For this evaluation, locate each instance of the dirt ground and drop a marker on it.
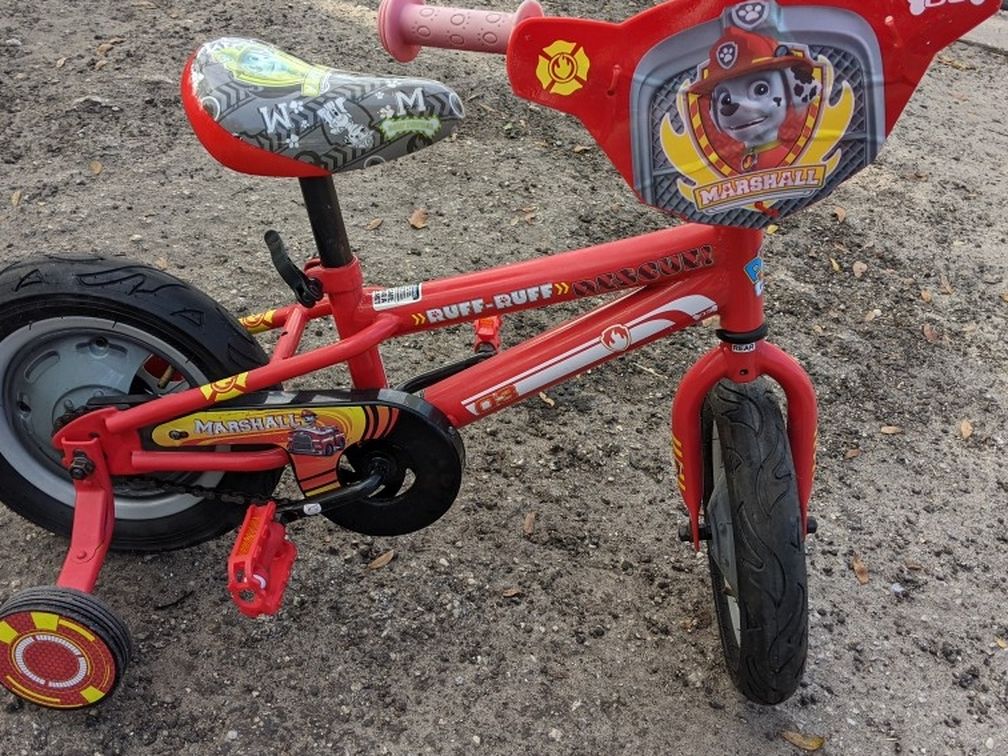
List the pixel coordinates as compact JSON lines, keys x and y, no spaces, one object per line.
{"x":611,"y":646}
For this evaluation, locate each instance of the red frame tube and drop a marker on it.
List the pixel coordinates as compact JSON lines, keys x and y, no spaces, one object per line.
{"x":671,"y":279}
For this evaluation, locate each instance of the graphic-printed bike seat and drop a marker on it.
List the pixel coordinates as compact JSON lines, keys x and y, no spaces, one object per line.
{"x":262,"y":111}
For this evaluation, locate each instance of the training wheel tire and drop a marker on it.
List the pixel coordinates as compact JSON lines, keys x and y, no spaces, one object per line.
{"x":61,"y":648}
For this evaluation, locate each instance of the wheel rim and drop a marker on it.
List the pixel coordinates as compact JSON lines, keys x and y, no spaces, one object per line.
{"x":54,"y":661}
{"x":719,"y":486}
{"x":56,"y":365}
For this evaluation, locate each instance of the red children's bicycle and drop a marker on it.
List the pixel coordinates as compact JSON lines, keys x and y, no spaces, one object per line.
{"x":137,"y":414}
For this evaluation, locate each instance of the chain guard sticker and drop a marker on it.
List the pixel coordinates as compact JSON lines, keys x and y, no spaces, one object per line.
{"x":314,"y":435}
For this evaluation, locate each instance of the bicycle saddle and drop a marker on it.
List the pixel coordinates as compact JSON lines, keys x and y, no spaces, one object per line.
{"x":262,"y":111}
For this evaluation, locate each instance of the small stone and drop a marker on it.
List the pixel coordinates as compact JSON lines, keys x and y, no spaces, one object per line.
{"x":443,"y":562}
{"x":555,"y":734}
{"x":232,"y":735}
{"x":989,"y":744}
{"x":897,"y":590}
{"x":13,"y":42}
{"x":476,"y":739}
{"x":136,"y":238}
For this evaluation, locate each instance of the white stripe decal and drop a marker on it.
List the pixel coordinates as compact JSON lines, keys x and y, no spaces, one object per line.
{"x":574,"y":360}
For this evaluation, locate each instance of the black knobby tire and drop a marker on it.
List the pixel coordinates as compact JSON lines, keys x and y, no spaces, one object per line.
{"x":48,"y":632}
{"x":752,"y":508}
{"x":49,"y":309}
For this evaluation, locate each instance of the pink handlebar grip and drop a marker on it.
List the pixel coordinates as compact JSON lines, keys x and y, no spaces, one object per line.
{"x":407,"y":25}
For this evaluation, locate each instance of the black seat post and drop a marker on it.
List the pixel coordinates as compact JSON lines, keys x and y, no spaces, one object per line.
{"x":326,"y":221}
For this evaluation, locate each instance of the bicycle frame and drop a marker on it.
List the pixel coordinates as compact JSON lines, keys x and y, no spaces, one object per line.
{"x":670,"y":279}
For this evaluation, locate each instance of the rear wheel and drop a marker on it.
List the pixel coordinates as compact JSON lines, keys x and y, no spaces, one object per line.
{"x":756,"y":553}
{"x":74,"y":330}
{"x":61,"y":648}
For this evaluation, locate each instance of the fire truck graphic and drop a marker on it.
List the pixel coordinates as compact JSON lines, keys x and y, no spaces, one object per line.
{"x":313,"y":439}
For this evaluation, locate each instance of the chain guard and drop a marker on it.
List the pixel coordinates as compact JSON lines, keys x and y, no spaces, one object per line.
{"x":417,"y":444}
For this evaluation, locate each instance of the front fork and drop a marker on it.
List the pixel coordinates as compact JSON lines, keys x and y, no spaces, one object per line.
{"x":742,"y":362}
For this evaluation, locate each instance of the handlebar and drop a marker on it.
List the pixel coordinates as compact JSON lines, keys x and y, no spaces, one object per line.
{"x":407,"y":25}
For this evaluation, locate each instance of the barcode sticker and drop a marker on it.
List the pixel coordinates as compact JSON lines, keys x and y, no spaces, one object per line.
{"x":386,"y":299}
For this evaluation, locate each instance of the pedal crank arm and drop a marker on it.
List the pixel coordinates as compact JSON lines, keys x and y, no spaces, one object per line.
{"x":332,"y":500}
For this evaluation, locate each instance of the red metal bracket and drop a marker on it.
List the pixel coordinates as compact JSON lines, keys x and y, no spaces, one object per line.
{"x":488,"y":332}
{"x":260,"y":562}
{"x":94,"y":515}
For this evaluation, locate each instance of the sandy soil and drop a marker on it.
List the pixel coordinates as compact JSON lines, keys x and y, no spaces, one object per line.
{"x":611,"y":646}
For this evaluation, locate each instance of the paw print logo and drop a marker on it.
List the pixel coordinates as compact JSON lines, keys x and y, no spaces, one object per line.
{"x":727,"y":54}
{"x":750,"y":15}
{"x":386,"y":112}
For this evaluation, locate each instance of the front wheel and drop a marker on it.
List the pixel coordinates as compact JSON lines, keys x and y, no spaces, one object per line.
{"x":80,"y":329}
{"x":756,"y":554}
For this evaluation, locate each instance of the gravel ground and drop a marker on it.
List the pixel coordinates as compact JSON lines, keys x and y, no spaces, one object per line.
{"x":611,"y":645}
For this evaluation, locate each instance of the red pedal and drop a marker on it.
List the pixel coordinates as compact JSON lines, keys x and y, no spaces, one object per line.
{"x":260,"y":562}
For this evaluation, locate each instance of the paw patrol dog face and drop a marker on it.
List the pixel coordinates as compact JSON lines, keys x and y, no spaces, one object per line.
{"x":752,"y":107}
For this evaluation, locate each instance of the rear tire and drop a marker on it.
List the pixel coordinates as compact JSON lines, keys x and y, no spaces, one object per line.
{"x":756,"y":553}
{"x":72,"y":329}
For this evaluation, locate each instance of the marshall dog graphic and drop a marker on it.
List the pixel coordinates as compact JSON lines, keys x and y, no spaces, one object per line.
{"x":757,"y":125}
{"x":758,"y":93}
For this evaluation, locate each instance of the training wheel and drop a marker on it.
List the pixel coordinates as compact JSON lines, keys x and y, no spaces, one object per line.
{"x":61,"y":648}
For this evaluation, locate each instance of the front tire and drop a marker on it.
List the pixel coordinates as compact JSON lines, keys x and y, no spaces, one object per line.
{"x":756,"y":554}
{"x":74,"y":329}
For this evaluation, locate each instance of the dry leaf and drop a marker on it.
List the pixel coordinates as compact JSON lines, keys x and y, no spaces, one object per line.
{"x":955,"y":63}
{"x":105,"y":47}
{"x":374,"y":223}
{"x":945,"y":284}
{"x":931,"y":333}
{"x":418,"y":218}
{"x":965,"y":429}
{"x":512,"y":592}
{"x":100,"y":64}
{"x":860,"y":569}
{"x":578,"y":149}
{"x":840,"y":214}
{"x":15,"y":198}
{"x":161,"y":263}
{"x":805,"y":742}
{"x":547,"y":399}
{"x":927,"y":295}
{"x":381,"y":560}
{"x":528,"y":526}
{"x":1002,"y":643}
{"x":891,"y":430}
{"x":835,"y":264}
{"x":859,"y":269}
{"x":871,"y":315}
{"x":852,"y":453}
{"x":911,"y":565}
{"x":96,"y":167}
{"x":773,"y":228}
{"x":60,"y":63}
{"x":1004,"y":296}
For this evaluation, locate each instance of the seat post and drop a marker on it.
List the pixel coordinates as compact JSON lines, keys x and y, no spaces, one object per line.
{"x":326,"y":219}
